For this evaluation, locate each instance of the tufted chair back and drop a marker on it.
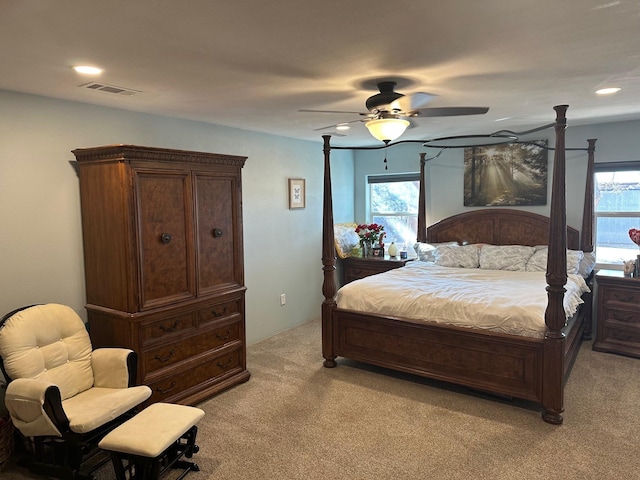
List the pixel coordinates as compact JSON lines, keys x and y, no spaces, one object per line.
{"x":50,"y":343}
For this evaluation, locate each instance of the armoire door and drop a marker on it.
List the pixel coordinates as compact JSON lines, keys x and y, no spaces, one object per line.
{"x":165,"y":237}
{"x":219,"y":262}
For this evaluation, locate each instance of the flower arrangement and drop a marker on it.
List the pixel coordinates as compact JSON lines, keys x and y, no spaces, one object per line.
{"x":634,"y":235}
{"x":371,"y":233}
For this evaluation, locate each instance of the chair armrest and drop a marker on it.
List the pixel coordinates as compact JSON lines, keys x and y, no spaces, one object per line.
{"x":35,"y":407}
{"x":114,"y":367}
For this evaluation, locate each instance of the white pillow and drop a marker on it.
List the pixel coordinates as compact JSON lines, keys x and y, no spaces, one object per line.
{"x":538,"y":261}
{"x":587,"y":264}
{"x":426,"y":251}
{"x":505,"y":257}
{"x":465,"y":256}
{"x":346,"y":238}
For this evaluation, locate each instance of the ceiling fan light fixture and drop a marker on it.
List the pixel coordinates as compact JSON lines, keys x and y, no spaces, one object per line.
{"x":387,"y":129}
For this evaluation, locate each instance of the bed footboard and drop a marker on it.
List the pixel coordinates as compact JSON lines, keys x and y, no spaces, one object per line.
{"x":501,"y":364}
{"x":493,"y":362}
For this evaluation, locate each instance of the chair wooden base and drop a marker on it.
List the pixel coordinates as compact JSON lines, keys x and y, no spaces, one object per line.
{"x":137,"y":467}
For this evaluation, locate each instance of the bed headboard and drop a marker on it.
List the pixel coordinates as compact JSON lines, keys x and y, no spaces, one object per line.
{"x":497,"y":226}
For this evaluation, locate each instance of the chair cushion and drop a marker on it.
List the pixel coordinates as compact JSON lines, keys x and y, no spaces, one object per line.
{"x":96,"y":406}
{"x":48,"y":342}
{"x":153,"y":430}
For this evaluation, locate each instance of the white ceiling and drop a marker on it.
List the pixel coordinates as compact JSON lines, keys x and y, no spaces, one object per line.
{"x":253,"y":64}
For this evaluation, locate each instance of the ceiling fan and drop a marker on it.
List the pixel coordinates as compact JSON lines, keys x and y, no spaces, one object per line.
{"x":388,"y":110}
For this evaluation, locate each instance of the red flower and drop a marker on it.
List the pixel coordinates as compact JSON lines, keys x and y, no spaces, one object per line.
{"x":372,"y":232}
{"x":634,"y":235}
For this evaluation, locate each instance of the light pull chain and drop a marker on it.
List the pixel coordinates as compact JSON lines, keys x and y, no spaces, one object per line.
{"x":386,"y":142}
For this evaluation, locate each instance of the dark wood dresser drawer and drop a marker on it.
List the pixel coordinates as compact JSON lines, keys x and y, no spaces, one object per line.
{"x":623,"y":336}
{"x":621,"y":317}
{"x":218,"y":312}
{"x":618,"y":310}
{"x":179,"y":324}
{"x":357,"y":267}
{"x":201,"y":376}
{"x":621,"y":296}
{"x":206,"y":340}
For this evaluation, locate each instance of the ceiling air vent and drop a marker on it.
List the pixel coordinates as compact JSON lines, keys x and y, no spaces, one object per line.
{"x":103,"y":87}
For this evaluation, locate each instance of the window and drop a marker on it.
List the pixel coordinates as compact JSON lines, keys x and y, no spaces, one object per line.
{"x":393,"y":202}
{"x":617,"y":210}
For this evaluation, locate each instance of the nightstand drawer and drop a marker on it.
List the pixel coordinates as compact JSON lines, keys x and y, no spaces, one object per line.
{"x":356,"y":267}
{"x":619,"y":295}
{"x":629,"y":337}
{"x":619,"y":316}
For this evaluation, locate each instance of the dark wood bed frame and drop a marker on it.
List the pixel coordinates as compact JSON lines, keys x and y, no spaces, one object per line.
{"x":507,"y":365}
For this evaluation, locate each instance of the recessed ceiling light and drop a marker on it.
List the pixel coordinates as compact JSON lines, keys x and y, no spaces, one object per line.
{"x":608,"y":91}
{"x":342,"y":127}
{"x":502,"y":119}
{"x":87,"y":70}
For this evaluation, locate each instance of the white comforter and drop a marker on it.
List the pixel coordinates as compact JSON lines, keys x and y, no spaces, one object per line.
{"x":496,"y":300}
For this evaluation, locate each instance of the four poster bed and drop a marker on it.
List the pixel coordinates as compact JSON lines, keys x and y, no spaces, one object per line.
{"x":528,"y":367}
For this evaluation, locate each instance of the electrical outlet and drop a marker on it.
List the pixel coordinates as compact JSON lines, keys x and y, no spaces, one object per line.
{"x":283,"y":299}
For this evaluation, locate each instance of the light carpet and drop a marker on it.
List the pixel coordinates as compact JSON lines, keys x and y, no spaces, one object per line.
{"x":295,"y":419}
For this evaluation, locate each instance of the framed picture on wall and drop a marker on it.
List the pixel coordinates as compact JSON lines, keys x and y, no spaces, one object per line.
{"x":297,"y":193}
{"x":506,"y":175}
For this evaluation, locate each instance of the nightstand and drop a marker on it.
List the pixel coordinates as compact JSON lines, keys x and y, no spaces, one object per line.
{"x":358,"y":267}
{"x":618,"y":321}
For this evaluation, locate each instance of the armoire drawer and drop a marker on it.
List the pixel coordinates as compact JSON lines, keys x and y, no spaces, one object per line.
{"x":209,"y":372}
{"x":179,"y":324}
{"x":185,"y":348}
{"x":218,"y":312}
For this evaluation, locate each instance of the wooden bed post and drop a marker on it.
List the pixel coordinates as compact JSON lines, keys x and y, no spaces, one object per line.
{"x":555,"y":318}
{"x":422,"y":203}
{"x":586,"y":235}
{"x":328,"y":262}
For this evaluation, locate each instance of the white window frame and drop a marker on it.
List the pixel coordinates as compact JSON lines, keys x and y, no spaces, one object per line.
{"x":390,"y":178}
{"x":612,"y":167}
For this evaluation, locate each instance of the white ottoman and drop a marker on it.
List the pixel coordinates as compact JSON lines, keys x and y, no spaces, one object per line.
{"x":153,"y":441}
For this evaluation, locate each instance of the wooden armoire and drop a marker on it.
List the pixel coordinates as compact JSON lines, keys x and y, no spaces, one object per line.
{"x":164,"y":268}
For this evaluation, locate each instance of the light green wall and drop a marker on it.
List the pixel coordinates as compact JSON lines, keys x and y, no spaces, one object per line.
{"x":615,"y":142}
{"x":41,"y":240}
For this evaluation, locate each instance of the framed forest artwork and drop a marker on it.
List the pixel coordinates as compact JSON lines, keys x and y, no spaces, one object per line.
{"x":506,"y":175}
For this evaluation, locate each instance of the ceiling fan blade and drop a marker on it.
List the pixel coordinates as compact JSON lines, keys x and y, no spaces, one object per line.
{"x":335,"y":111}
{"x":448,"y":111}
{"x":337,"y":124}
{"x":410,"y":102}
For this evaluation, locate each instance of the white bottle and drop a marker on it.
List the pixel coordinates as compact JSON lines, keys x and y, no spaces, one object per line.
{"x":393,"y":249}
